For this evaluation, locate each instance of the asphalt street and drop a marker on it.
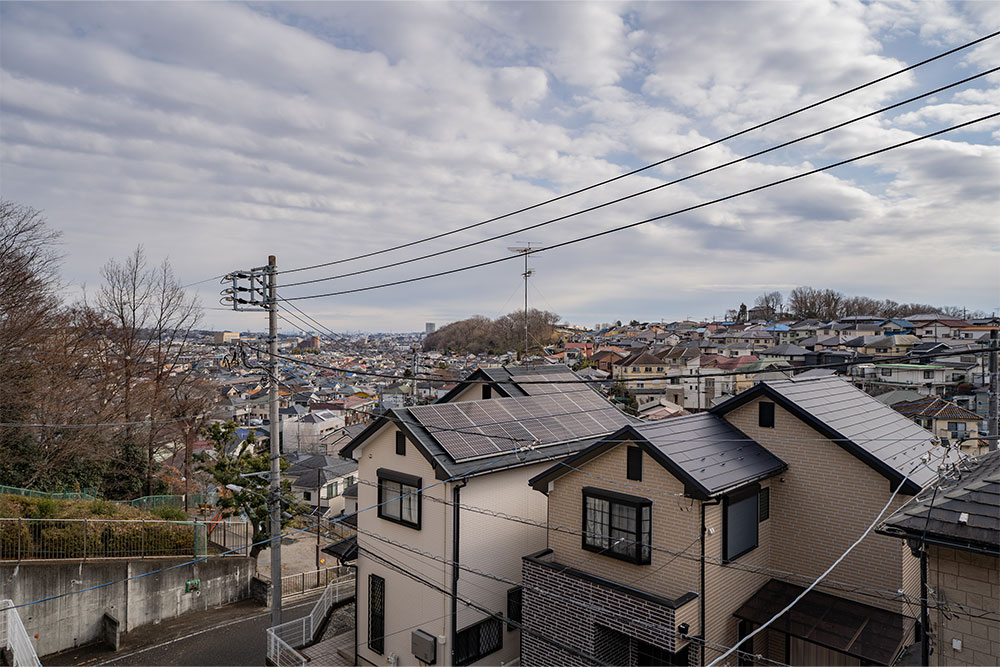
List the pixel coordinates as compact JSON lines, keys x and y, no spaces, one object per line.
{"x":230,"y":635}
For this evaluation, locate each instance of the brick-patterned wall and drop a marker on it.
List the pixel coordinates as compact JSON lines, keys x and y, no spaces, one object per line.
{"x":971,"y":579}
{"x":551,"y":614}
{"x":822,"y":503}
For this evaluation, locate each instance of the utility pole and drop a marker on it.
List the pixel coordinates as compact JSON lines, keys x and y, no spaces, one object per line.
{"x":525,"y":250}
{"x":262,"y":294}
{"x":993,"y":411}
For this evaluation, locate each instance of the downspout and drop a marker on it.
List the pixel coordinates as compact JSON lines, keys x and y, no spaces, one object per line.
{"x":704,"y":633}
{"x":456,"y":499}
{"x":925,"y":641}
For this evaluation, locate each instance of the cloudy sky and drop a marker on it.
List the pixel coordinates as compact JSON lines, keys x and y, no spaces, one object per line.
{"x":216,"y":134}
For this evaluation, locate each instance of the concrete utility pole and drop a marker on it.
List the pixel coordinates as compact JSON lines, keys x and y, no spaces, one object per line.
{"x":275,"y":495}
{"x":993,"y":412}
{"x":525,"y":250}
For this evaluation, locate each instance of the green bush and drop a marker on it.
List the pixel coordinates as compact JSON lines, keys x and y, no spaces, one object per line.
{"x":170,"y":513}
{"x":45,"y":508}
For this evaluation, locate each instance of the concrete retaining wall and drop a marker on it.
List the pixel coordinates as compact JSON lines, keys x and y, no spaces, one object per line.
{"x":78,"y":619}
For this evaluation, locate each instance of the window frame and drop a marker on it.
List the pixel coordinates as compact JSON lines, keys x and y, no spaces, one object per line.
{"x":740,"y":495}
{"x":376,"y":630}
{"x":400,"y":443}
{"x":633,"y":463}
{"x":763,"y":505}
{"x":403,"y":480}
{"x":515,"y":605}
{"x":765,"y":414}
{"x":640,"y":541}
{"x":477,"y":626}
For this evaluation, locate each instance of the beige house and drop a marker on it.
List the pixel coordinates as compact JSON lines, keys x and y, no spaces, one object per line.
{"x":696,"y":530}
{"x":417,"y":465}
{"x":945,"y":420}
{"x":955,"y":528}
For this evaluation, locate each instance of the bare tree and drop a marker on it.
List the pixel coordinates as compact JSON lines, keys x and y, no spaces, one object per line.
{"x":770,"y":302}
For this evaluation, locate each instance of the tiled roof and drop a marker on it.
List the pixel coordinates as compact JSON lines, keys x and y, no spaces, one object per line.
{"x":933,"y":407}
{"x":966,"y":509}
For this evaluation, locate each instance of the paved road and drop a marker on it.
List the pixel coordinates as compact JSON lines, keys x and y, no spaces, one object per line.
{"x":230,"y":635}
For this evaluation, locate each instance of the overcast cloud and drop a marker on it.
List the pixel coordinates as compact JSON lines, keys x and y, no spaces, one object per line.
{"x":216,"y":134}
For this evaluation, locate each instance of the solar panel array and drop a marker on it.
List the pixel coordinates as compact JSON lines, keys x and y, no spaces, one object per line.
{"x":543,"y":385}
{"x":484,"y":428}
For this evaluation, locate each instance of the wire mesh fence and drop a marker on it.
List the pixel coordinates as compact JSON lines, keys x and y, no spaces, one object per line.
{"x":83,"y":494}
{"x":34,"y":539}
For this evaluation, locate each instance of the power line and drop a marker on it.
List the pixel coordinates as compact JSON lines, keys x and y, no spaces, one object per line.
{"x":654,"y":164}
{"x":663,"y":216}
{"x":647,"y":190}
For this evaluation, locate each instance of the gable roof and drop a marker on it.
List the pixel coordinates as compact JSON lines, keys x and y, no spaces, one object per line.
{"x":506,"y":380}
{"x":972,"y":494}
{"x":933,"y":407}
{"x":705,"y":452}
{"x":874,"y":433}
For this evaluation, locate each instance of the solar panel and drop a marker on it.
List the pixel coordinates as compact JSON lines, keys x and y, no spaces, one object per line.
{"x":535,"y":384}
{"x":486,"y":428}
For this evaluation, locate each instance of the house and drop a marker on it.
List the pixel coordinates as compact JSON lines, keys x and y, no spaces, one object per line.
{"x":642,"y":370}
{"x":927,"y":379}
{"x":934,"y":327}
{"x":698,"y":529}
{"x":320,"y":481}
{"x":305,"y":433}
{"x":945,"y":420}
{"x":419,"y":465}
{"x":954,"y":527}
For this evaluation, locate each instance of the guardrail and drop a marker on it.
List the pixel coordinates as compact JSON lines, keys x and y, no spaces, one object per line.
{"x":14,"y":637}
{"x":43,"y":539}
{"x":282,"y":640}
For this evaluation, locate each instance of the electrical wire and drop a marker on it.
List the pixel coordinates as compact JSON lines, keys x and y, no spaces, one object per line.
{"x":645,"y":221}
{"x":659,"y":162}
{"x":655,"y":188}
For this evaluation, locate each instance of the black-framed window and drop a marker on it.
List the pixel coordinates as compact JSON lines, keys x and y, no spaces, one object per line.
{"x":634,"y":464}
{"x":399,"y":498}
{"x":764,"y":506}
{"x":376,"y":613}
{"x":514,"y":598}
{"x":765,"y":414}
{"x":478,"y":640}
{"x":400,"y":443}
{"x":487,"y":391}
{"x":617,"y":525}
{"x":739,"y":522}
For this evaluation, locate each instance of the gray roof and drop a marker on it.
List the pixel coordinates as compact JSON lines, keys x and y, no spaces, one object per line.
{"x":872,"y":431}
{"x":973,"y":490}
{"x":711,"y":453}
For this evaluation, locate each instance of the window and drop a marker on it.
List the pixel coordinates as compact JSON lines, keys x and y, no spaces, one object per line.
{"x":478,"y":641}
{"x":928,"y":375}
{"x":376,"y":613}
{"x":350,"y":480}
{"x":634,"y":464}
{"x":307,"y":495}
{"x":514,"y":597}
{"x":399,"y":497}
{"x":649,"y":369}
{"x":331,"y":490}
{"x":659,"y":369}
{"x":400,"y":443}
{"x":885,"y":371}
{"x":616,"y":525}
{"x":739,"y":522}
{"x":487,"y":392}
{"x":957,"y":426}
{"x":765,"y":414}
{"x":764,"y":508}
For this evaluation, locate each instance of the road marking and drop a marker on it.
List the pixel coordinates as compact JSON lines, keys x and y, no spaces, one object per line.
{"x":237,"y":621}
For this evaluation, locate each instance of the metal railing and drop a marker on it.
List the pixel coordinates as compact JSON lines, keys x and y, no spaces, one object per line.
{"x":282,"y":640}
{"x":292,"y":584}
{"x":42,"y":539}
{"x":84,"y":494}
{"x":14,"y":637}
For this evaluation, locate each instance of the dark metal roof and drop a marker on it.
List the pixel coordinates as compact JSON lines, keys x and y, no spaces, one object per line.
{"x":973,"y":491}
{"x":712,"y":453}
{"x":874,"y":433}
{"x":869,"y":633}
{"x":705,"y":452}
{"x":507,"y":380}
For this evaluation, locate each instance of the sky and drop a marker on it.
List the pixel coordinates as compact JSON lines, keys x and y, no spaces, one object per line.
{"x":216,"y":134}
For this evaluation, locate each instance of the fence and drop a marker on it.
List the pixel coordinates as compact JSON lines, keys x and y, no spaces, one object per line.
{"x":176,"y":501}
{"x":14,"y":638}
{"x":24,"y":539}
{"x":282,"y":640}
{"x":307,"y":581}
{"x":85,"y":494}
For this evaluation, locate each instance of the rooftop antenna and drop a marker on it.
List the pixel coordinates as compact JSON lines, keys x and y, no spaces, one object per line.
{"x":524,"y":250}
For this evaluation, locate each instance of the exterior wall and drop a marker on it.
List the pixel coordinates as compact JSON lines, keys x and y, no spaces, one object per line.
{"x":676,"y":525}
{"x":966,"y":578}
{"x":808,"y":503}
{"x":496,"y":545}
{"x":407,"y":602}
{"x":474,"y":392}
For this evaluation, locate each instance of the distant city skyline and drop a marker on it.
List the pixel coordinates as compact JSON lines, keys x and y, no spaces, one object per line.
{"x":217,"y":134}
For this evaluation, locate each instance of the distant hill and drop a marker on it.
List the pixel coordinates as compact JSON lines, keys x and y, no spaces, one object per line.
{"x":481,"y":335}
